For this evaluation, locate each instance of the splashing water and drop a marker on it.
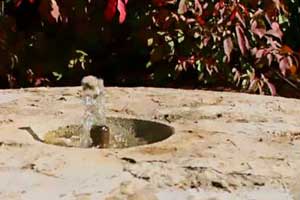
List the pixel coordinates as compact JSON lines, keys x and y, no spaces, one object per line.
{"x":94,"y":114}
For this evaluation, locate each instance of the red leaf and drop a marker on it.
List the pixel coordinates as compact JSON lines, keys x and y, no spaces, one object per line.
{"x":285,"y":49}
{"x":12,"y":81}
{"x":254,"y":84}
{"x":244,"y":8}
{"x":205,"y":40}
{"x":228,"y":46}
{"x":260,"y":53}
{"x":40,"y":81}
{"x":293,"y":69}
{"x":182,"y":8}
{"x":285,"y":64}
{"x":110,"y":10}
{"x":275,"y":31}
{"x":122,"y":10}
{"x":198,"y":7}
{"x":270,"y":85}
{"x":18,"y":3}
{"x":258,"y":13}
{"x":55,"y":10}
{"x":242,"y":39}
{"x":273,"y":43}
{"x":271,"y":88}
{"x":241,"y":19}
{"x":270,"y":59}
{"x":49,"y":10}
{"x":232,"y":16}
{"x":260,"y":31}
{"x":222,"y":3}
{"x":200,"y":20}
{"x":219,"y":5}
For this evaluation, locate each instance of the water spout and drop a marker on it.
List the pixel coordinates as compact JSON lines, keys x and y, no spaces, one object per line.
{"x":94,"y":113}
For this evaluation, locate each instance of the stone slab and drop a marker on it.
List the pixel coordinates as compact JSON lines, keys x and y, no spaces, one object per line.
{"x":225,"y":146}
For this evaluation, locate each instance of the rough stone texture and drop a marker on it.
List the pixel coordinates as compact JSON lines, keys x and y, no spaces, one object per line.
{"x":226,"y":146}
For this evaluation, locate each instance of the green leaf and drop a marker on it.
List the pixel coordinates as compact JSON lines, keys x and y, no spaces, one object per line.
{"x":57,"y":75}
{"x":149,"y":64}
{"x":283,"y":19}
{"x":199,"y":66}
{"x":180,"y":39}
{"x":150,"y":42}
{"x":81,"y":52}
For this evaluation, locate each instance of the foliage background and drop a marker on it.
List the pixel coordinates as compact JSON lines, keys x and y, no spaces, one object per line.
{"x":244,"y":45}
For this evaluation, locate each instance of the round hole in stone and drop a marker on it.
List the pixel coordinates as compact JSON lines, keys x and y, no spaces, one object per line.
{"x":124,"y":132}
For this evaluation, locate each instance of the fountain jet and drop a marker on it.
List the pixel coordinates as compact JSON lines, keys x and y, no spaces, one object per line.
{"x":94,"y":129}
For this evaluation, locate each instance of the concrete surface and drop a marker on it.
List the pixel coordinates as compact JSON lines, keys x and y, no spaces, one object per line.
{"x":226,"y":146}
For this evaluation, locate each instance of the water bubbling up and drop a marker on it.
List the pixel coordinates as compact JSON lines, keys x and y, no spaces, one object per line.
{"x":94,"y":113}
